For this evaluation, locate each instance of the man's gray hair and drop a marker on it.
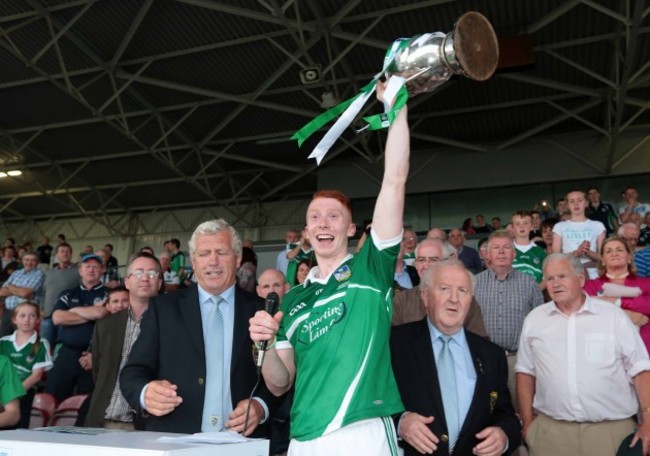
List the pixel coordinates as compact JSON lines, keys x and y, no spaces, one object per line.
{"x":436,"y":242}
{"x":627,"y":226}
{"x":574,"y":262}
{"x":426,"y":281}
{"x":31,"y":253}
{"x":214,"y":227}
{"x":501,"y":234}
{"x":449,"y":250}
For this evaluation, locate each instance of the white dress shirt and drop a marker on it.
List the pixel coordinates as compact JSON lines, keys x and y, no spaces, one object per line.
{"x":584,"y":363}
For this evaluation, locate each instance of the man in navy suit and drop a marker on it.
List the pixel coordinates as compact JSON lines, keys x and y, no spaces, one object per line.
{"x":192,"y":367}
{"x":453,"y":383}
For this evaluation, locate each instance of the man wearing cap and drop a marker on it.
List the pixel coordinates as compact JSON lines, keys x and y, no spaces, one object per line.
{"x":76,"y":311}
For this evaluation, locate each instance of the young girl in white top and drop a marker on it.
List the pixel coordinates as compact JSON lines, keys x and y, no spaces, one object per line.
{"x":29,"y":354}
{"x":578,"y":235}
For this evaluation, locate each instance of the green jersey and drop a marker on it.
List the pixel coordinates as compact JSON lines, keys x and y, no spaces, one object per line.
{"x":339,"y":331}
{"x":10,"y":386}
{"x":23,"y":358}
{"x":530,"y":261}
{"x":178,"y":263}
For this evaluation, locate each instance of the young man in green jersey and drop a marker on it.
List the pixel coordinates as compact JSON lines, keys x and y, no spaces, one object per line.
{"x":332,"y":333}
{"x":530,"y":256}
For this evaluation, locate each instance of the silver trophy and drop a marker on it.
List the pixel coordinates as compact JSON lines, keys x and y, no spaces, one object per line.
{"x":429,"y":60}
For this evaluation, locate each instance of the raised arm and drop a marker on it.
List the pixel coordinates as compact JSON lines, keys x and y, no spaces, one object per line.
{"x":389,"y":209}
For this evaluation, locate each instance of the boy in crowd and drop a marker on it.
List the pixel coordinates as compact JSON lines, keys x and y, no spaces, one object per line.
{"x":530,"y":256}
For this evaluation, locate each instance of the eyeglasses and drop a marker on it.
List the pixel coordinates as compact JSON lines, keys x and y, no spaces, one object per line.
{"x":139,"y":273}
{"x":430,"y":259}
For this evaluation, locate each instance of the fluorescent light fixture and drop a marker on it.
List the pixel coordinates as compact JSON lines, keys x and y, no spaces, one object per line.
{"x":12,"y":173}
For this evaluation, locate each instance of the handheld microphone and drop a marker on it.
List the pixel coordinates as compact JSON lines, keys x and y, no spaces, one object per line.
{"x":271,"y":305}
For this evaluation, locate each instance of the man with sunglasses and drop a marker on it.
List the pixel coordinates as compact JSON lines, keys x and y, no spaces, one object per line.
{"x":113,"y":339}
{"x":408,"y":305}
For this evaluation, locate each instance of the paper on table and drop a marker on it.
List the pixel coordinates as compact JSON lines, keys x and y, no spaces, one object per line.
{"x":215,"y":438}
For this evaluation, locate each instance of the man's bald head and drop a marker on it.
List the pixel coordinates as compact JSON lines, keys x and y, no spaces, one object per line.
{"x":272,"y":280}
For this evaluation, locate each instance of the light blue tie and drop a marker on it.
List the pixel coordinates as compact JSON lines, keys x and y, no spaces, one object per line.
{"x":213,"y":410}
{"x":447,"y":379}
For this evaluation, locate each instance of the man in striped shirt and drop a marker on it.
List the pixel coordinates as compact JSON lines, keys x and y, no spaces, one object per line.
{"x":505,"y":296}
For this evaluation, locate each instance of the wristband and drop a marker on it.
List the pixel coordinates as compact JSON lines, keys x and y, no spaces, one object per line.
{"x":268,"y":347}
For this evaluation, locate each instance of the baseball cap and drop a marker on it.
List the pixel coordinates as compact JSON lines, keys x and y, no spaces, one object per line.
{"x":625,"y":450}
{"x":91,"y":256}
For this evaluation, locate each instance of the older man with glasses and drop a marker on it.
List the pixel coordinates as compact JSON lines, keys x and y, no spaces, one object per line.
{"x":408,"y":305}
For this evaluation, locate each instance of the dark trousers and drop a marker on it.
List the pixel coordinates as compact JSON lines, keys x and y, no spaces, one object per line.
{"x":67,"y":377}
{"x":49,"y":331}
{"x":280,"y":426}
{"x":6,"y":325}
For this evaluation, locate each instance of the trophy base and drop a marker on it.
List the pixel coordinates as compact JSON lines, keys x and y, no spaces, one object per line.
{"x":475,"y":45}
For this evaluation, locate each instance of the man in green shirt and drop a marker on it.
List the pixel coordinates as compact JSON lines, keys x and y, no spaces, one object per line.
{"x":332,"y":333}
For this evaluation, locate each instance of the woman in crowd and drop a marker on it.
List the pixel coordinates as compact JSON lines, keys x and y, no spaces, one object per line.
{"x":303,"y":270}
{"x":467,"y":226}
{"x":247,"y":272}
{"x":618,"y":283}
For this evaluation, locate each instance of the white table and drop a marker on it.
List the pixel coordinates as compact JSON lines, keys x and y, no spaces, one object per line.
{"x":29,"y":442}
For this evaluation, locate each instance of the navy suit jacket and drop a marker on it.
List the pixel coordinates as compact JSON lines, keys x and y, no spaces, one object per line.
{"x":417,"y":379}
{"x":170,"y":347}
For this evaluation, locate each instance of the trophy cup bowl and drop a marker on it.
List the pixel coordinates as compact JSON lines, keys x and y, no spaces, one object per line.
{"x":429,"y":60}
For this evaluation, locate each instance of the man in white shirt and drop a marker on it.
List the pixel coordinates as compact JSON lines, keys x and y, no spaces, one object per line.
{"x":583,"y":367}
{"x":632,"y":205}
{"x":292,"y":238}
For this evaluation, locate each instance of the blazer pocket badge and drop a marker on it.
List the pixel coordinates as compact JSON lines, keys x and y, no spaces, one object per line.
{"x":494,"y":396}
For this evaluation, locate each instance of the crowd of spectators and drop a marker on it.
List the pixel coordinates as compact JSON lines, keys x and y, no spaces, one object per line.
{"x":68,"y":298}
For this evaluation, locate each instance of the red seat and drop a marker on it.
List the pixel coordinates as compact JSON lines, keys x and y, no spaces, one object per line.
{"x":43,"y":408}
{"x":67,"y":411}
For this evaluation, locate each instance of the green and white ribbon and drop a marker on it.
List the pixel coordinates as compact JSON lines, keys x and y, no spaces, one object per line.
{"x":350,"y":108}
{"x":394,"y":90}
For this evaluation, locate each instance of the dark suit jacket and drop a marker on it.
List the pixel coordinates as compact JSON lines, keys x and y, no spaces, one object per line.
{"x":417,"y":379}
{"x":170,"y":347}
{"x":471,"y":259}
{"x":107,"y":344}
{"x":413,"y":275}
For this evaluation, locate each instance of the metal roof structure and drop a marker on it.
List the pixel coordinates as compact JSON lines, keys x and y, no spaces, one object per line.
{"x":118,"y":106}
